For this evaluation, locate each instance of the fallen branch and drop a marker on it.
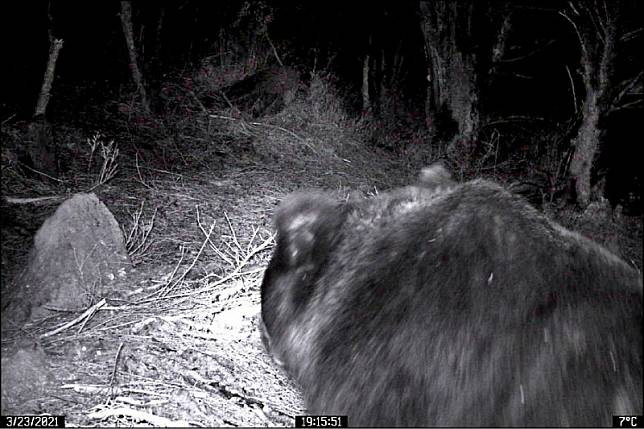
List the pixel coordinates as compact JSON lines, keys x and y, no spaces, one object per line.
{"x":87,"y":314}
{"x":16,"y":200}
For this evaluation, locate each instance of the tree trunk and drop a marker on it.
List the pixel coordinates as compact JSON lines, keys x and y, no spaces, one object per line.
{"x":586,"y":144}
{"x":597,"y":34}
{"x":43,"y":99}
{"x":452,"y":92}
{"x":128,"y":32}
{"x":41,"y":148}
{"x":366,"y":99}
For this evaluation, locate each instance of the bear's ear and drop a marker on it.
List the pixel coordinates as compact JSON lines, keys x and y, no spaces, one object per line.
{"x":307,"y":226}
{"x":435,"y":175}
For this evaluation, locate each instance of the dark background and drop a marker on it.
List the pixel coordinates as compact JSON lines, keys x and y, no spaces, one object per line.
{"x":531,"y":82}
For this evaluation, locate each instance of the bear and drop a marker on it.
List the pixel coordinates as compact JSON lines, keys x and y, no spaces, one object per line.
{"x":450,"y":304}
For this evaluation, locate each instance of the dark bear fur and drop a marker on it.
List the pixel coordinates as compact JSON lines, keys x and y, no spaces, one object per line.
{"x":446,"y":304}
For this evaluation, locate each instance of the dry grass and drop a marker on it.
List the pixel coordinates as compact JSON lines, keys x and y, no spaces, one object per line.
{"x":182,"y":348}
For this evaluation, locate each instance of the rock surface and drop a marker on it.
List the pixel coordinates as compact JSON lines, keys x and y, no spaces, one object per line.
{"x":77,"y":254}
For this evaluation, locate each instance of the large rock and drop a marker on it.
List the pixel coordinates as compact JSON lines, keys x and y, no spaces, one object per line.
{"x":77,"y":254}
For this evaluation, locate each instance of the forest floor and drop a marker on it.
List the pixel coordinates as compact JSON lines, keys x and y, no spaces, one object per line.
{"x":191,"y":355}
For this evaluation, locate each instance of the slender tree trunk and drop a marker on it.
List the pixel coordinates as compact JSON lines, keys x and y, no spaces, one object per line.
{"x":597,"y":34}
{"x":126,"y":23}
{"x":41,"y":148}
{"x":366,"y":99}
{"x":43,"y":99}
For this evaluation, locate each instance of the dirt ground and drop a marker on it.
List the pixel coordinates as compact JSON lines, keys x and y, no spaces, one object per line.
{"x":183,"y":349}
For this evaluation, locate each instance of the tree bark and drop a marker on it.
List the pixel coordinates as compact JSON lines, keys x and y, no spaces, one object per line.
{"x":126,"y":23}
{"x":586,"y":144}
{"x":452,"y":91}
{"x":597,"y":34}
{"x":43,"y":99}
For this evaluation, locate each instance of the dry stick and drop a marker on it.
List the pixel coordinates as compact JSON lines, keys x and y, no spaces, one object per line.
{"x":15,"y":200}
{"x":219,"y":253}
{"x":281,"y":129}
{"x":236,"y":272}
{"x":163,"y":293}
{"x":135,"y":226}
{"x":231,"y":105}
{"x":147,"y":229}
{"x":243,"y":262}
{"x":119,"y":326}
{"x":143,"y":246}
{"x":84,"y":388}
{"x":300,"y":138}
{"x":86,"y":314}
{"x":277,"y":57}
{"x":237,"y":250}
{"x":252,"y":238}
{"x":174,"y":271}
{"x":116,"y":361}
{"x":194,"y":261}
{"x":8,"y":119}
{"x":138,"y":171}
{"x":229,"y":118}
{"x":232,"y":252}
{"x":232,"y":231}
{"x":41,"y":173}
{"x":82,"y":326}
{"x":158,"y":170}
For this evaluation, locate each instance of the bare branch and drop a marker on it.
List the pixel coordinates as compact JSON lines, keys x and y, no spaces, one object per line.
{"x":628,"y":89}
{"x":637,"y":104}
{"x":572,"y":89}
{"x":529,"y":54}
{"x":627,"y":37}
{"x":574,"y":26}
